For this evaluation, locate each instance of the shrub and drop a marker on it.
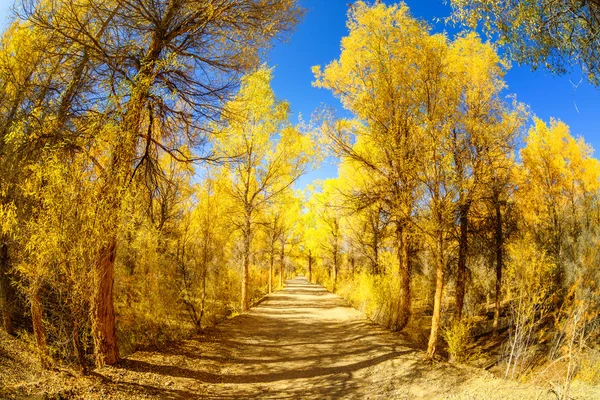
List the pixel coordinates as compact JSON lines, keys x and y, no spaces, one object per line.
{"x":589,"y":371}
{"x":458,"y":338}
{"x":529,"y":280}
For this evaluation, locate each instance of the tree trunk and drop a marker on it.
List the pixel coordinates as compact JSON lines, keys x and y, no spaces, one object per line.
{"x":498,"y":247}
{"x":38,"y":327}
{"x":115,"y":180}
{"x":281,"y":265}
{"x":403,"y":315}
{"x":246,"y":270}
{"x":271,"y":269}
{"x":77,"y":345}
{"x":463,"y":244}
{"x":437,"y":303}
{"x":203,"y":298}
{"x":375,"y":265}
{"x":375,"y":244}
{"x":103,"y":327}
{"x":7,"y":292}
{"x":310,"y":266}
{"x":335,"y":266}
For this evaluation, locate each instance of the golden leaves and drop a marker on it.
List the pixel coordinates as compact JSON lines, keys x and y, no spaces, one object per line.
{"x":557,"y":169}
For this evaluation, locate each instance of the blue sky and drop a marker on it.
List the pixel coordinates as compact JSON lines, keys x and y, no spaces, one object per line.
{"x":316,"y":41}
{"x":4,"y":11}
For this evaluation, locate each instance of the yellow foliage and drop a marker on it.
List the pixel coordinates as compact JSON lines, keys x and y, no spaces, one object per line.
{"x":8,"y":219}
{"x":558,"y":171}
{"x":458,"y":337}
{"x":529,"y":272}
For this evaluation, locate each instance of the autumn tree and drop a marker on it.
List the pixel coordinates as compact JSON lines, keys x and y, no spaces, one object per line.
{"x":289,"y":237}
{"x":202,"y":247}
{"x":326,"y":207}
{"x":280,"y":225}
{"x":482,"y":138}
{"x":310,"y":241}
{"x":558,"y":175}
{"x":367,"y":224}
{"x":270,"y":155}
{"x":163,"y":69}
{"x":388,"y":145}
{"x":495,"y":208}
{"x":429,"y":121}
{"x":272,"y":228}
{"x":26,"y":78}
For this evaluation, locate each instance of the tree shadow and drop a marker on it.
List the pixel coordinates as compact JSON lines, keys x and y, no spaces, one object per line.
{"x":302,"y":342}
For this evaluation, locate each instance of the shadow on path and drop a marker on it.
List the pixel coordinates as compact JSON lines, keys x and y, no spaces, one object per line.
{"x":301,"y":342}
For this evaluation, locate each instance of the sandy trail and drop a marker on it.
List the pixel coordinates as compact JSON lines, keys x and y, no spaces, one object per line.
{"x":301,"y":342}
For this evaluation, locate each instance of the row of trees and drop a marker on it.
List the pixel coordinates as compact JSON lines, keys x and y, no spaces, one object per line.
{"x":432,"y":197}
{"x":147,"y":173}
{"x":105,"y":105}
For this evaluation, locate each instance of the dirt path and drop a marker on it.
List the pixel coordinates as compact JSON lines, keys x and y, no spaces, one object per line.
{"x":302,"y":342}
{"x":299,"y":343}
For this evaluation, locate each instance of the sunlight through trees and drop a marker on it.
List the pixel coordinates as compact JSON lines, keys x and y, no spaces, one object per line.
{"x":149,"y":179}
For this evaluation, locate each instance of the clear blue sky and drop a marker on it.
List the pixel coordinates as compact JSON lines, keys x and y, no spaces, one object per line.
{"x":4,"y":11}
{"x":316,"y":41}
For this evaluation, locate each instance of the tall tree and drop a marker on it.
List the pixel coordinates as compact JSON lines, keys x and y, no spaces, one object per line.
{"x":164,"y":69}
{"x":377,"y":78}
{"x":270,"y":155}
{"x":202,"y":247}
{"x":482,"y":136}
{"x":326,"y":208}
{"x":26,"y":79}
{"x":557,"y":174}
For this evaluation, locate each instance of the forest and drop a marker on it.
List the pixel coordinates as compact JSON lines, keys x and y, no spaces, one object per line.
{"x":149,"y":180}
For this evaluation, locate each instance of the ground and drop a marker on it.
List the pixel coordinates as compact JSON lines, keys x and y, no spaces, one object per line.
{"x":301,"y":342}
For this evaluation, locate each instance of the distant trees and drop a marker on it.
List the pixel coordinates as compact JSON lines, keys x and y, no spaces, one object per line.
{"x":325,"y":209}
{"x":202,"y":247}
{"x":268,"y":154}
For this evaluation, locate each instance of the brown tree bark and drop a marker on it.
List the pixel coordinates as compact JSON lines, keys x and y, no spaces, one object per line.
{"x":463,"y":220}
{"x":202,"y":299}
{"x":38,"y":327}
{"x":310,"y":260}
{"x":499,"y":250}
{"x":375,"y":244}
{"x":335,"y":265}
{"x":7,"y":291}
{"x":271,"y":269}
{"x":246,"y":270}
{"x":404,"y":272}
{"x":282,"y":265}
{"x":115,"y":179}
{"x":272,"y":256}
{"x":437,"y":302}
{"x":103,"y":323}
